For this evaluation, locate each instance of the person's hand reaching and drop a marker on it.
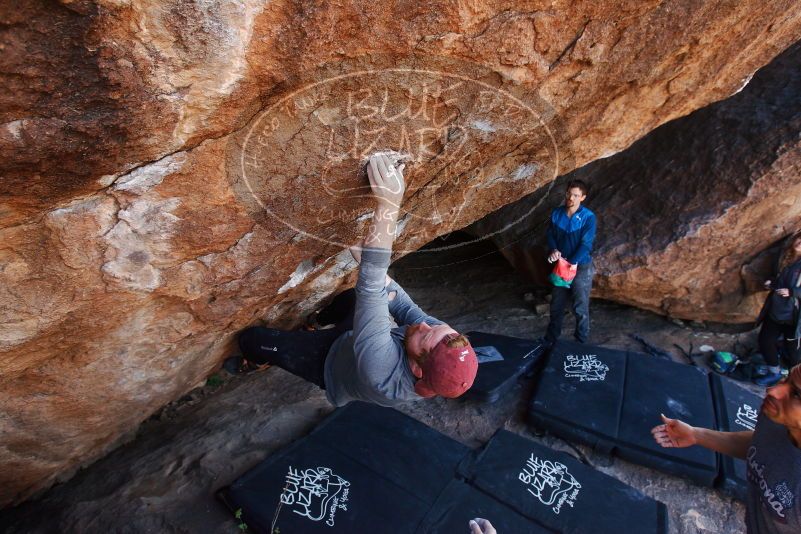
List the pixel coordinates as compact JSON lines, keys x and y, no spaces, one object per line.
{"x":481,"y":526}
{"x":674,"y":433}
{"x":386,"y":181}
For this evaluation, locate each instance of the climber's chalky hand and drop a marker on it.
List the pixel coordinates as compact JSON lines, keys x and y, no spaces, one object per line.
{"x":386,"y":182}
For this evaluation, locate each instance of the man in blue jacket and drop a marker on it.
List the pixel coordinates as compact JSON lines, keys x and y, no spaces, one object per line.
{"x":571,"y":232}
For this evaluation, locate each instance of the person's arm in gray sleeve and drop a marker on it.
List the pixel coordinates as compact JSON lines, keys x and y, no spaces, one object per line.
{"x":374,"y":349}
{"x":372,"y":341}
{"x":405,"y":310}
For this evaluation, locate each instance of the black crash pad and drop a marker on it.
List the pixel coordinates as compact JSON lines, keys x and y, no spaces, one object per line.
{"x":580,"y":394}
{"x":653,"y":387}
{"x":494,"y":378}
{"x":559,"y":492}
{"x":737,"y":410}
{"x":364,"y":466}
{"x":411,"y":454}
{"x":313,"y":488}
{"x":461,"y":502}
{"x":610,"y":399}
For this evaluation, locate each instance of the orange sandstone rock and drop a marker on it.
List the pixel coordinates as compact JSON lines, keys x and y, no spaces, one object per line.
{"x":172,"y":172}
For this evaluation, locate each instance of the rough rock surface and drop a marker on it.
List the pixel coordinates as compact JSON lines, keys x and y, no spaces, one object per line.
{"x":172,"y":171}
{"x":164,"y":480}
{"x":690,"y":216}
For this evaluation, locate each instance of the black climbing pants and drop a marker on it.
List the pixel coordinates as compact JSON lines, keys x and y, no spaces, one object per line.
{"x":580,"y":291}
{"x":768,"y":341}
{"x":301,"y":352}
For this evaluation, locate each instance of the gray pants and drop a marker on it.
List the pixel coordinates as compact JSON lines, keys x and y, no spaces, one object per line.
{"x":580,"y":291}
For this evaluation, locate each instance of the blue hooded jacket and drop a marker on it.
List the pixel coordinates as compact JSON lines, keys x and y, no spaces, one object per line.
{"x":572,"y":236}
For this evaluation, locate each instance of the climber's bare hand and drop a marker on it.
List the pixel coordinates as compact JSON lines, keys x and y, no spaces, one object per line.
{"x":386,"y":181}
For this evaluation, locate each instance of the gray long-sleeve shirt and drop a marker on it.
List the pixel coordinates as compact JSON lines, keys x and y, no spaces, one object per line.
{"x":369,"y":363}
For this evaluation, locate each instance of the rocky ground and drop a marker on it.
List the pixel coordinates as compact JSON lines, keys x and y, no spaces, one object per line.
{"x":164,"y":479}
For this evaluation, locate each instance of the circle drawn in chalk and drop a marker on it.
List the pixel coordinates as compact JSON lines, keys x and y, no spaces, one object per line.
{"x":443,"y":121}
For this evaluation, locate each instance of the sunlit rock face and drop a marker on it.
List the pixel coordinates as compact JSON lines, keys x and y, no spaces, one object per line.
{"x":691,"y":217}
{"x":175,"y":171}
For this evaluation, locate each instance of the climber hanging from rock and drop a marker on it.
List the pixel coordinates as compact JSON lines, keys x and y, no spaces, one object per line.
{"x":365,"y":356}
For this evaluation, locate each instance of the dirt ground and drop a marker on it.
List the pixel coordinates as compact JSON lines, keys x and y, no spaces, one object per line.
{"x":164,"y":479}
